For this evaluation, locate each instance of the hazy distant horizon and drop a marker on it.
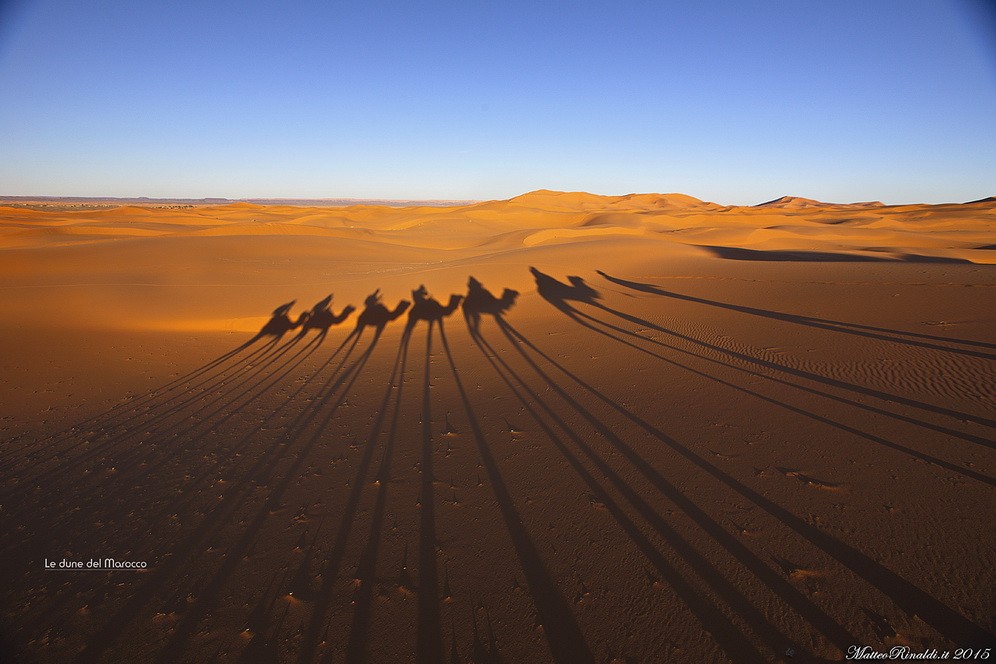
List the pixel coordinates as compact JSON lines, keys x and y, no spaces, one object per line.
{"x":337,"y":201}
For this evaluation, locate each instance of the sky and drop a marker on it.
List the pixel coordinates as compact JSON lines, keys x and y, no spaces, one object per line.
{"x":735,"y":102}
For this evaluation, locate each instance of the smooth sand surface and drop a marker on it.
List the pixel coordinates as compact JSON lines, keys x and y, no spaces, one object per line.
{"x":698,"y":434}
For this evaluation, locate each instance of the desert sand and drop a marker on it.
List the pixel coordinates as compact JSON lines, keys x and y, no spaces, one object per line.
{"x":686,"y":432}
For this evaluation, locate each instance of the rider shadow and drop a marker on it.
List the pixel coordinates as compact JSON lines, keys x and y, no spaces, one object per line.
{"x":278,"y":326}
{"x":321,"y":317}
{"x":427,"y":308}
{"x":480,"y":301}
{"x":376,"y":315}
{"x":561,"y":295}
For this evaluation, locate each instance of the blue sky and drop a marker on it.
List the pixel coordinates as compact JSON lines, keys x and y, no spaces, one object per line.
{"x":735,"y":102}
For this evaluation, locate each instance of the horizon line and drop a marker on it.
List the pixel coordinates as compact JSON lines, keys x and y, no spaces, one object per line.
{"x":335,"y":201}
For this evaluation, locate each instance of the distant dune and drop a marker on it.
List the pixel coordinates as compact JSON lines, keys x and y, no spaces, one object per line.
{"x":666,"y":222}
{"x":797,"y":203}
{"x":88,"y":201}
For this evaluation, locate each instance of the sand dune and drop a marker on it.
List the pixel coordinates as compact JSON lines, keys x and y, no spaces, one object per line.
{"x":799,"y":203}
{"x":655,"y":429}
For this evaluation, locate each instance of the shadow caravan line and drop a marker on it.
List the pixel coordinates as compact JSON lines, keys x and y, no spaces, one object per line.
{"x":913,"y":600}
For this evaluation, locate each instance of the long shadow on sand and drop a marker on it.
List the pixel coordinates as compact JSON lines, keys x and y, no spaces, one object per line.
{"x":567,"y":644}
{"x":244,"y":470}
{"x":377,"y":315}
{"x":153,"y":461}
{"x":739,"y":254}
{"x":638,"y":343}
{"x":429,"y":644}
{"x":429,"y":636}
{"x":562,"y":295}
{"x":166,"y":430}
{"x":737,"y":646}
{"x":561,"y":298}
{"x":948,"y":622}
{"x":216,"y":383}
{"x":126,"y":413}
{"x":316,"y":417}
{"x":868,"y":331}
{"x":147,"y":516}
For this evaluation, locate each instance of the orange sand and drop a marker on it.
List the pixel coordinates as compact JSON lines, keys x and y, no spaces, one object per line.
{"x":737,"y":433}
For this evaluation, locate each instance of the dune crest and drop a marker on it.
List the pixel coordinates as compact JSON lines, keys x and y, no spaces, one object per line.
{"x":799,"y":203}
{"x":953,"y":231}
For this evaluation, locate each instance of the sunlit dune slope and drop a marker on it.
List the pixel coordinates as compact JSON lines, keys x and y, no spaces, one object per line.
{"x":952,"y":231}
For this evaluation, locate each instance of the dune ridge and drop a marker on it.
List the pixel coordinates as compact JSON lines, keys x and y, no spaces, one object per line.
{"x":948,"y":231}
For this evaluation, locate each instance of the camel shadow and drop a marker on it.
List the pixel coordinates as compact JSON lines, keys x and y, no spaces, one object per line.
{"x":480,"y":301}
{"x":376,"y":315}
{"x":321,"y":317}
{"x":427,"y":308}
{"x":562,"y":296}
{"x":558,"y":293}
{"x":278,"y":325}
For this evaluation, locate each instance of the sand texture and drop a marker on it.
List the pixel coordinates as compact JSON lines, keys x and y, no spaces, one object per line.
{"x":646,"y":429}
